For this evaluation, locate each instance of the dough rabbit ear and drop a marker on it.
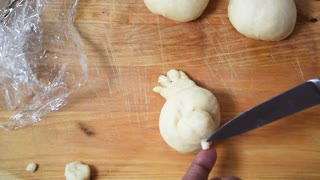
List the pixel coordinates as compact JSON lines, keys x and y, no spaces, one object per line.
{"x":173,"y":75}
{"x":183,"y":75}
{"x":164,"y":80}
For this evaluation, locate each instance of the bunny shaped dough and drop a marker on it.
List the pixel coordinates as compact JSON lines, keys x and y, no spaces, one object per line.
{"x":190,"y":114}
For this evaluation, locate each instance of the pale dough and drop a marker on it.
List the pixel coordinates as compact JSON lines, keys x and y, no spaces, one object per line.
{"x":204,"y":144}
{"x":270,"y":20}
{"x":77,"y":171}
{"x":177,"y":10}
{"x":190,"y":114}
{"x":32,"y":167}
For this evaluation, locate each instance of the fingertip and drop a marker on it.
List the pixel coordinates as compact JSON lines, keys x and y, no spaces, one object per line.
{"x":208,"y":156}
{"x":201,"y":165}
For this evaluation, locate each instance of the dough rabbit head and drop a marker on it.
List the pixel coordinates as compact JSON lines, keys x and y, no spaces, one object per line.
{"x":190,"y":114}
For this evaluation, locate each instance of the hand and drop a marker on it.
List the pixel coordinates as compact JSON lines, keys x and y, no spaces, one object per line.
{"x":202,"y":165}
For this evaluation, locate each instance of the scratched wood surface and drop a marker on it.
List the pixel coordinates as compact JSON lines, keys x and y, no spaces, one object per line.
{"x":112,"y":122}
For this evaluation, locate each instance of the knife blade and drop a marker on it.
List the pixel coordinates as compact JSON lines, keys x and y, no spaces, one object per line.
{"x":292,"y":101}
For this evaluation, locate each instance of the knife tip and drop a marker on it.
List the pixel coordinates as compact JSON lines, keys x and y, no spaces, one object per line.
{"x":211,"y":138}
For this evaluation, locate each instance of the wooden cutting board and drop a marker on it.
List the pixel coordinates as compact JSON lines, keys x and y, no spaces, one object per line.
{"x":112,"y":122}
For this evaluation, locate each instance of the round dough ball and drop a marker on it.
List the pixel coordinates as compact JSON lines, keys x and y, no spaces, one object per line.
{"x":177,"y":10}
{"x":269,"y":20}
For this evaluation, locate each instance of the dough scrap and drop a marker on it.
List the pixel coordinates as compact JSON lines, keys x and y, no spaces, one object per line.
{"x":205,"y":145}
{"x":190,"y":114}
{"x":271,"y":20}
{"x":177,"y":10}
{"x":77,"y":171}
{"x":32,"y":167}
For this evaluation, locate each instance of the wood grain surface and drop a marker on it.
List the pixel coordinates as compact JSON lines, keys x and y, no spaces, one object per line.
{"x":112,"y":122}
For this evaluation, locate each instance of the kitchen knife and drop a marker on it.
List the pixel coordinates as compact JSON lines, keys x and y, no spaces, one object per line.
{"x":294,"y":100}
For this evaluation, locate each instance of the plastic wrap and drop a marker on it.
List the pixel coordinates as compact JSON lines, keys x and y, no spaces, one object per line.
{"x":42,"y":59}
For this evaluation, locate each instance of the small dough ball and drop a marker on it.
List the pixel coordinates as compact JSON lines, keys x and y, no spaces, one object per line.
{"x":177,"y":10}
{"x":190,"y":114}
{"x":77,"y":171}
{"x":269,"y":20}
{"x":205,"y":145}
{"x":32,"y":167}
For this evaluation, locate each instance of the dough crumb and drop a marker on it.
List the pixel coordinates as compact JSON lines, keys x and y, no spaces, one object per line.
{"x":77,"y":171}
{"x":32,"y":167}
{"x":205,"y":145}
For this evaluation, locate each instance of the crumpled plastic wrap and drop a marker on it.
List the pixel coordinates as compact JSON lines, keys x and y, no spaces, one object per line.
{"x":42,"y":59}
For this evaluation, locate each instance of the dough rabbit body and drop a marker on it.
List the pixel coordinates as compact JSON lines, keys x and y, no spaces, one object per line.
{"x":190,"y":114}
